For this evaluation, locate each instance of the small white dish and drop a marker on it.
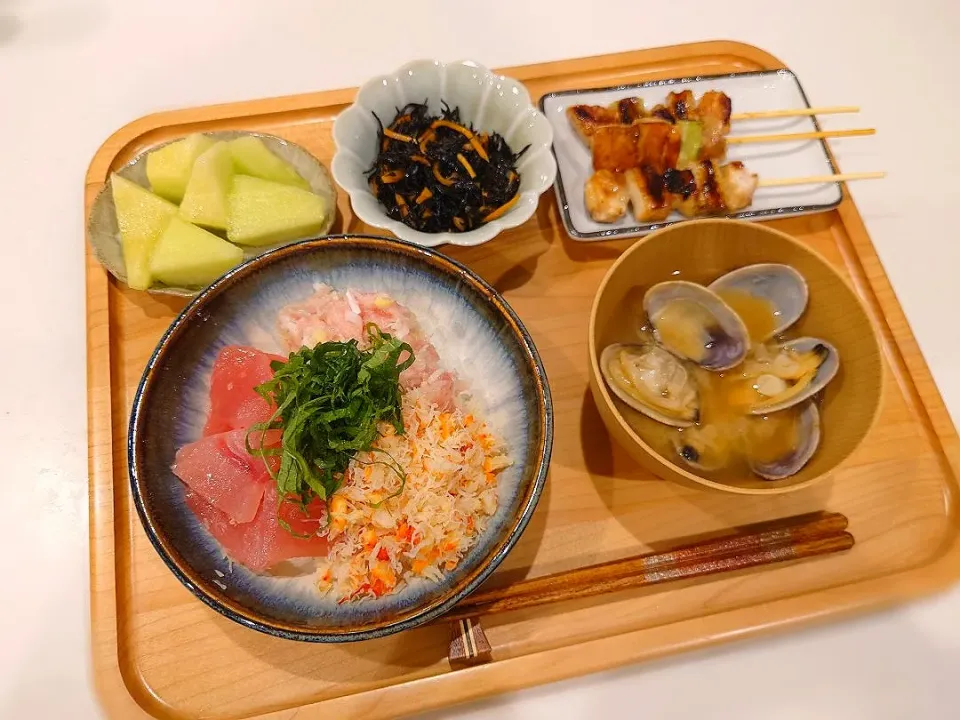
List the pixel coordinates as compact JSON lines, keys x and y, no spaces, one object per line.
{"x":490,"y":102}
{"x":749,"y":92}
{"x":103,"y":231}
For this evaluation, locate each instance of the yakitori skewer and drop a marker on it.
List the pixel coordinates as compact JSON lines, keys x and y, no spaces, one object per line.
{"x":619,"y":147}
{"x":703,"y":189}
{"x":797,"y":112}
{"x":788,"y":137}
{"x":815,"y":179}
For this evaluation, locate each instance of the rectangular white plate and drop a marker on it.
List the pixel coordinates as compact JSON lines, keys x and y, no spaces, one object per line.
{"x":749,"y":92}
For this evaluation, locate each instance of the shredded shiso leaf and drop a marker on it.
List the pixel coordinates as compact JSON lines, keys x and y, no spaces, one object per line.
{"x":329,"y":401}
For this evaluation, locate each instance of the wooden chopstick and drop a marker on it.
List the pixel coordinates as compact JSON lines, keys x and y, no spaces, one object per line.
{"x":788,"y":137}
{"x":822,"y":535}
{"x":799,"y":112}
{"x":814,"y":179}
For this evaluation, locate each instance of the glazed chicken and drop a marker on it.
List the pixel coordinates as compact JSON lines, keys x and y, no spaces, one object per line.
{"x":605,"y":195}
{"x":703,"y":189}
{"x":587,"y":118}
{"x":661,"y":160}
{"x":621,"y":147}
{"x":711,"y":117}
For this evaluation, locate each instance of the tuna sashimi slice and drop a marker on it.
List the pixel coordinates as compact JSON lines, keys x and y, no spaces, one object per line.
{"x":268,"y":544}
{"x":219,"y":469}
{"x":233,"y":402}
{"x":263,"y":544}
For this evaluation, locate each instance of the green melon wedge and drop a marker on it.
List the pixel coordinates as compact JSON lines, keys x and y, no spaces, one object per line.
{"x":252,"y":157}
{"x":188,"y":256}
{"x":262,"y":212}
{"x":141,"y":217}
{"x":205,"y":199}
{"x":169,"y":168}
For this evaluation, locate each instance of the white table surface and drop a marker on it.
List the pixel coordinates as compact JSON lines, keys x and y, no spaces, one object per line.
{"x":72,"y":71}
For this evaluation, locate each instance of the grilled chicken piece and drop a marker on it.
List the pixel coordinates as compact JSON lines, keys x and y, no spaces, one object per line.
{"x":737,"y":185}
{"x":660,"y":146}
{"x":714,"y":113}
{"x":715,"y":106}
{"x":587,"y":118}
{"x":605,"y":196}
{"x":649,"y":197}
{"x":628,"y":110}
{"x":682,"y":105}
{"x":617,"y":147}
{"x":621,"y":147}
{"x":720,"y":189}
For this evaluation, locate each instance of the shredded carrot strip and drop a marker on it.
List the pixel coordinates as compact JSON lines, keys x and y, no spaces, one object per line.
{"x":503,"y":208}
{"x":479,"y":144}
{"x":460,"y":223}
{"x":402,"y":204}
{"x":420,"y":159}
{"x":453,"y":126}
{"x":426,"y":139}
{"x":397,"y":136}
{"x":440,"y":178}
{"x":391,"y":176}
{"x":424,"y":195}
{"x":467,"y":166}
{"x":479,"y":148}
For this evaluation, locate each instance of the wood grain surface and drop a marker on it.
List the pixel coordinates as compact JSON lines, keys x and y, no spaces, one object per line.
{"x":159,"y":652}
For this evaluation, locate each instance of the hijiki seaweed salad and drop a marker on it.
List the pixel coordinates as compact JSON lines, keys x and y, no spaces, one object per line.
{"x":438,"y":174}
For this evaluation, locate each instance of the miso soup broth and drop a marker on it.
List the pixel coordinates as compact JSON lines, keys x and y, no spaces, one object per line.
{"x":732,"y":431}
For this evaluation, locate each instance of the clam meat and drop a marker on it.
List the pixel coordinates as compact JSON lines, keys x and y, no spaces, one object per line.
{"x":652,"y":381}
{"x":788,"y":374}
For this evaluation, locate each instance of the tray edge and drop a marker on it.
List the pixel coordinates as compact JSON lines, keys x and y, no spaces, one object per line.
{"x":513,"y":673}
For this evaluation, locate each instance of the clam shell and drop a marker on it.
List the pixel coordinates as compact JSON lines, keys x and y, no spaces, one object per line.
{"x":780,"y":285}
{"x":104,"y":234}
{"x":724,"y":338}
{"x":685,"y":444}
{"x":825,"y":373}
{"x":658,"y":414}
{"x":809,"y":420}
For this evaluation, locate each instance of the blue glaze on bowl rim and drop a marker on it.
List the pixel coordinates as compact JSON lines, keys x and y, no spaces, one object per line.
{"x":529,"y":492}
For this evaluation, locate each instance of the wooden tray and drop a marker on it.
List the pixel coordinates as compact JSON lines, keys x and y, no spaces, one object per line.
{"x":159,"y":652}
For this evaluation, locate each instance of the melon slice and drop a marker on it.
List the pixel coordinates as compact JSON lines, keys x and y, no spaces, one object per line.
{"x":168,"y":169}
{"x":141,"y":217}
{"x":262,"y":212}
{"x":205,"y":199}
{"x":252,"y":157}
{"x":188,"y":256}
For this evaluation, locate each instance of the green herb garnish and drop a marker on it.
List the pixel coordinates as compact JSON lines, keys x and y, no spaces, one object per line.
{"x":329,"y":401}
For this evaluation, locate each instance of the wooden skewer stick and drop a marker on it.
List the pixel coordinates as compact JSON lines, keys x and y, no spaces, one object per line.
{"x":799,"y":112}
{"x":787,"y":137}
{"x":814,"y":179}
{"x":810,"y":538}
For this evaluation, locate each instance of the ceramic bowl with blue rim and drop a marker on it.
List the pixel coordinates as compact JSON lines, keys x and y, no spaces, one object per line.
{"x":477,"y":335}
